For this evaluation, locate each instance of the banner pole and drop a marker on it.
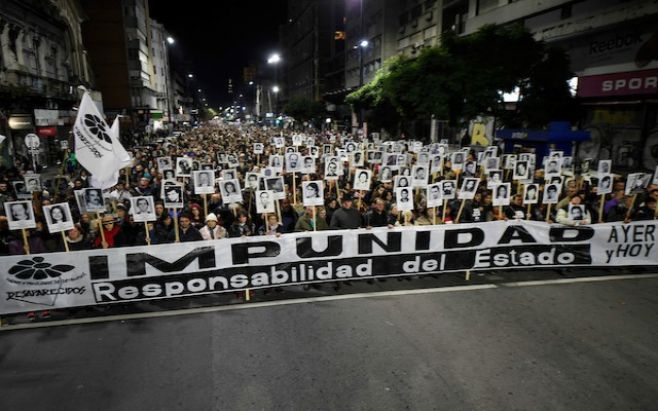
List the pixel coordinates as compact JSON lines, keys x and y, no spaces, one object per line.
{"x":100,"y":225}
{"x":66,"y":243}
{"x":176,"y":226}
{"x":601,"y":203}
{"x":459,"y":213}
{"x":548,"y":213}
{"x":148,"y":235}
{"x":26,"y":244}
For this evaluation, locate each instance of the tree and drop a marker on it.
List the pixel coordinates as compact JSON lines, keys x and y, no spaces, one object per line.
{"x":302,"y":109}
{"x":467,"y":76}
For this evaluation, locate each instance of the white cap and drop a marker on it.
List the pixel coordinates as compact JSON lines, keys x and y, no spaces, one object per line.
{"x":211,"y":217}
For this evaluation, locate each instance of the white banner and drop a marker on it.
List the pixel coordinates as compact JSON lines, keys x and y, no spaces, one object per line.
{"x":93,"y":277}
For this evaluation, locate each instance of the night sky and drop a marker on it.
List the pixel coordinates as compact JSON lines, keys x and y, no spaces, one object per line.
{"x":219,"y":38}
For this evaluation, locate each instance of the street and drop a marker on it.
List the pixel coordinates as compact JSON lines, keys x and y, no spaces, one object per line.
{"x":581,"y":345}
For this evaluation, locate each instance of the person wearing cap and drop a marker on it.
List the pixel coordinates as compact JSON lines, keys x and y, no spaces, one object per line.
{"x":212,"y":230}
{"x":346,"y":217}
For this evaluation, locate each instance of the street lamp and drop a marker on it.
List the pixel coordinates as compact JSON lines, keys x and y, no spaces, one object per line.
{"x":190,"y":75}
{"x":170,"y":40}
{"x":274,"y":58}
{"x":364,"y":43}
{"x":275,"y":89}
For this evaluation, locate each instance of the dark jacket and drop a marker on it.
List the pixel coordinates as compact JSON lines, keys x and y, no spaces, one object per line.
{"x":192,"y":234}
{"x":374,"y":219}
{"x":345,"y":218}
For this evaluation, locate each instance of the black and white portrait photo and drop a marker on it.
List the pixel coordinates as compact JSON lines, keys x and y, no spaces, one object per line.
{"x":204,"y":182}
{"x":258,"y":148}
{"x":553,"y":166}
{"x":230,"y":190}
{"x":265,"y":202}
{"x":356,"y":159}
{"x":93,"y":198}
{"x":293,"y":163}
{"x":457,"y":160}
{"x":551,"y":193}
{"x":172,"y":196}
{"x":501,"y":194}
{"x":522,"y":170}
{"x":604,"y":185}
{"x":313,"y":193}
{"x":276,"y":186}
{"x":164,"y":163}
{"x":326,"y":149}
{"x":385,"y":174}
{"x":251,"y":181}
{"x":308,"y":165}
{"x":604,"y":167}
{"x":531,"y":194}
{"x":469,"y":169}
{"x":279,"y":142}
{"x":636,"y":183}
{"x":19,"y":189}
{"x":32,"y":183}
{"x":448,"y":189}
{"x":576,"y":212}
{"x":229,"y":174}
{"x":404,"y":198}
{"x":434,"y":198}
{"x":331,"y":170}
{"x":183,"y":167}
{"x":20,"y":215}
{"x":469,"y":188}
{"x":495,"y":177}
{"x":423,"y":159}
{"x":232,"y":160}
{"x":276,"y":162}
{"x":169,"y":174}
{"x":402,"y":181}
{"x":509,"y":161}
{"x":350,"y":146}
{"x":142,"y":209}
{"x":58,"y":217}
{"x":362,"y":179}
{"x":491,"y":163}
{"x":420,"y":174}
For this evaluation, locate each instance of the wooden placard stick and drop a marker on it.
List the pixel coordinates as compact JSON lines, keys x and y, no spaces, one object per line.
{"x":146,"y":231}
{"x":100,"y":226}
{"x":630,"y":209}
{"x":459,"y":213}
{"x":315,"y":223}
{"x":176,"y":226}
{"x":500,"y":212}
{"x":66,"y":243}
{"x":434,"y":215}
{"x":205,"y":205}
{"x":443,"y":216}
{"x":278,"y":210}
{"x":294,"y":189}
{"x":601,"y":203}
{"x":548,"y":213}
{"x":26,"y":244}
{"x":529,"y":211}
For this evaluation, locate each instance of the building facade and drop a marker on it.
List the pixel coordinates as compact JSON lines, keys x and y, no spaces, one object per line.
{"x":161,"y":76}
{"x":613,"y":47}
{"x":42,"y":62}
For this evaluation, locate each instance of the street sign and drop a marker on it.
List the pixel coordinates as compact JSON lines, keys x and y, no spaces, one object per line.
{"x":32,"y":141}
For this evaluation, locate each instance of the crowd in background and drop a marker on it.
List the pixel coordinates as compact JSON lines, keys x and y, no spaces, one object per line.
{"x":211,"y":218}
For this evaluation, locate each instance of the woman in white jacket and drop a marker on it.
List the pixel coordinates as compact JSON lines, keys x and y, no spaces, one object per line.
{"x":212,"y":230}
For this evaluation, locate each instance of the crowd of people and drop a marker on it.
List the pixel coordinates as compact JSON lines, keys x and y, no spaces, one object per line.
{"x":224,"y":181}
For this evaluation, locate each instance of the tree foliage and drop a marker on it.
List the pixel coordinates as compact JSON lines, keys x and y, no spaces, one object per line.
{"x":302,"y":109}
{"x":466,"y":76}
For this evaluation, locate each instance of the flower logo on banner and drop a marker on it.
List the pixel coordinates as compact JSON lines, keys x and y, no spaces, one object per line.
{"x":37,"y":269}
{"x":97,"y":127}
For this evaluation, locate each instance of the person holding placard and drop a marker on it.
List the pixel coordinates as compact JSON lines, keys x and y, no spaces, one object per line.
{"x":575,"y":213}
{"x":212,"y":230}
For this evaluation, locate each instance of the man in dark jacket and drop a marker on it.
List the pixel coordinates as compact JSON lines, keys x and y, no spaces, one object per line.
{"x":185,"y":230}
{"x":345,"y":217}
{"x":376,"y":216}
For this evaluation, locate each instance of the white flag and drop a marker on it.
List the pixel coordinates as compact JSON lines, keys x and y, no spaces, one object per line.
{"x":94,"y":147}
{"x":122,"y":155}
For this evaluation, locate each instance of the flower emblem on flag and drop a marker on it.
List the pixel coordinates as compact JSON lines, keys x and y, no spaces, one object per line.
{"x":96,"y":126}
{"x":37,"y":269}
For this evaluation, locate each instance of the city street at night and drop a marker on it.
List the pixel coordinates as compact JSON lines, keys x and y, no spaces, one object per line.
{"x":329,"y":205}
